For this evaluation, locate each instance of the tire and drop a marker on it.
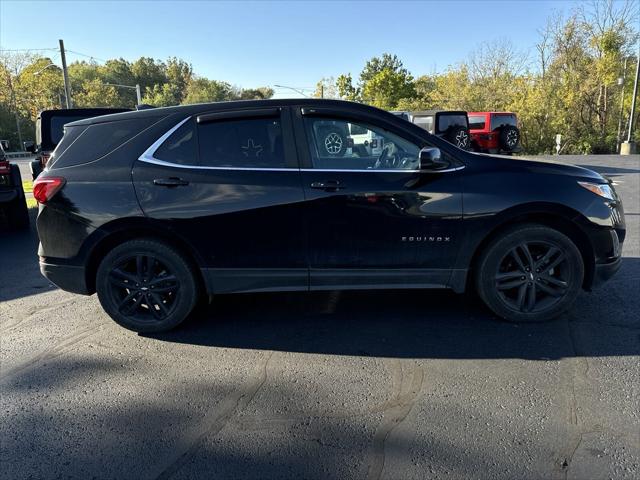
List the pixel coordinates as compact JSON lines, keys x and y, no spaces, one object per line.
{"x":459,"y":136}
{"x":540,"y":293}
{"x":509,"y":138}
{"x":16,"y":211}
{"x":333,"y":142}
{"x":146,"y":286}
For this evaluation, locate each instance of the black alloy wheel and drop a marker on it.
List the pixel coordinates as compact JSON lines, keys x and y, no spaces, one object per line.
{"x":146,"y":286}
{"x":532,"y":276}
{"x":531,"y":273}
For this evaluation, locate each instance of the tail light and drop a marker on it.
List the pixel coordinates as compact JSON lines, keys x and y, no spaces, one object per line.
{"x":5,"y":168}
{"x":45,"y":188}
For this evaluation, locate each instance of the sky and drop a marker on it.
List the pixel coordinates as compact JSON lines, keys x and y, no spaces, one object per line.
{"x":253,"y":44}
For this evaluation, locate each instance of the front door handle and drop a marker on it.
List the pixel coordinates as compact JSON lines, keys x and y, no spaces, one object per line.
{"x":170,"y":182}
{"x":328,"y":186}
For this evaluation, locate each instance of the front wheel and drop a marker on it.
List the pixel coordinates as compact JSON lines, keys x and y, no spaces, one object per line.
{"x":531,"y":273}
{"x":146,"y":286}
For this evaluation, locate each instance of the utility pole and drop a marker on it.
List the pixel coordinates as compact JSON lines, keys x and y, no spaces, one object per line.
{"x":322,"y":90}
{"x":633,"y":100}
{"x":65,"y":75}
{"x":621,"y":81}
{"x":138,"y":94}
{"x":629,"y":147}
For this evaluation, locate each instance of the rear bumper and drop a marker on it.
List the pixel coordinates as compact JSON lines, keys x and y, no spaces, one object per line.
{"x":71,"y":278}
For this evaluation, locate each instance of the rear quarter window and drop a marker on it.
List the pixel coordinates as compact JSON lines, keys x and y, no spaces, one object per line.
{"x":476,"y":122}
{"x":95,"y":141}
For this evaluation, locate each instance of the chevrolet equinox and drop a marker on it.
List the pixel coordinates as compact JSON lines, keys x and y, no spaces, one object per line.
{"x":155,"y":208}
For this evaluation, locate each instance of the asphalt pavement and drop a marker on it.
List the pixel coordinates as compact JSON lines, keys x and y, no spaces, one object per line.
{"x":336,"y":385}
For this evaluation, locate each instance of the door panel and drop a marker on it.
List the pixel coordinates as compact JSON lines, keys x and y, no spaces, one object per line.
{"x":241,"y":216}
{"x":373,"y":218}
{"x":383,"y":220}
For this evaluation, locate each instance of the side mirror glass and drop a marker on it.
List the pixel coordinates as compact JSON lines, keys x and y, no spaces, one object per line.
{"x":431,"y":159}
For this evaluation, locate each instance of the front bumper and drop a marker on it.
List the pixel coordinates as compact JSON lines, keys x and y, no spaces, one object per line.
{"x":604,"y":271}
{"x":71,"y":278}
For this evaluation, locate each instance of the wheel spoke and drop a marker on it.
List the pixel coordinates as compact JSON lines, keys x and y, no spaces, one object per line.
{"x":158,"y":301}
{"x":554,"y":281}
{"x":163,"y":280}
{"x":126,"y":307}
{"x":547,"y":257}
{"x":521,"y":296}
{"x":551,"y":291}
{"x":559,"y":259}
{"x":509,"y":285}
{"x":122,"y":275}
{"x":508,"y":275}
{"x":531,"y":297}
{"x":530,"y":262}
{"x":150,"y":261}
{"x":516,"y":256}
{"x":121,"y":283}
{"x":158,"y":313}
{"x":140,"y":266}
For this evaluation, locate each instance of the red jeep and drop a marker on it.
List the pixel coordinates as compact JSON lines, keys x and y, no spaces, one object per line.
{"x":494,"y":132}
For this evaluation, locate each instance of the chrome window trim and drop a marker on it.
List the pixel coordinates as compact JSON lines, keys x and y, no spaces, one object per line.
{"x":148,"y":157}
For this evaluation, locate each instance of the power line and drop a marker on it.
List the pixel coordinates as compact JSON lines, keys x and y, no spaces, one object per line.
{"x":85,"y":55}
{"x":25,"y":49}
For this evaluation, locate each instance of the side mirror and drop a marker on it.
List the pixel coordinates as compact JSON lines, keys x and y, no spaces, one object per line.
{"x":431,"y":159}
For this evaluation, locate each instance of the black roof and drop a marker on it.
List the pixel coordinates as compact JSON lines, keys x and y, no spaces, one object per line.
{"x":230,"y":105}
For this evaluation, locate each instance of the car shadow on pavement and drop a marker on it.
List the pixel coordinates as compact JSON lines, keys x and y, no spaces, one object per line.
{"x":417,"y":324}
{"x":19,"y":270}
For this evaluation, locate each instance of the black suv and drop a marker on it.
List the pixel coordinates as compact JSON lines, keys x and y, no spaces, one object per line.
{"x":153,"y":209}
{"x":13,"y":204}
{"x":452,"y":125}
{"x":50,"y":128}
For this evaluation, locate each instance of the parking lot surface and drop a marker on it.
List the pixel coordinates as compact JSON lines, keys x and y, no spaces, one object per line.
{"x":345,"y":385}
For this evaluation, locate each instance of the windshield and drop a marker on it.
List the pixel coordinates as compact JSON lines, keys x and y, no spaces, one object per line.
{"x":446,"y":121}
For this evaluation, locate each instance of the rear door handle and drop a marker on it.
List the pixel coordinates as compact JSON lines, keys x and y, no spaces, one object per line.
{"x":170,"y":182}
{"x":328,"y":186}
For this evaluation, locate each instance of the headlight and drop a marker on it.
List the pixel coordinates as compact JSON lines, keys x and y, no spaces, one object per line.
{"x":603,"y":190}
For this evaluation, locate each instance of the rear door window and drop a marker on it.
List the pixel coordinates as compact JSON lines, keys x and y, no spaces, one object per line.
{"x":242,"y":143}
{"x":181,"y":147}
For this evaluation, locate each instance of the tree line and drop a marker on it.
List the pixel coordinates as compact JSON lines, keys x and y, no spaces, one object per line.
{"x":568,"y":83}
{"x":30,"y":83}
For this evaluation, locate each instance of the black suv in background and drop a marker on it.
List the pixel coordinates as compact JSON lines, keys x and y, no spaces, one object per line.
{"x":452,"y":125}
{"x":13,"y":204}
{"x":50,"y":128}
{"x":155,"y":208}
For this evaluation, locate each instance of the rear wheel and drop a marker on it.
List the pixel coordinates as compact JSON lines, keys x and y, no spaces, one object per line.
{"x":532,"y":273}
{"x":146,"y":286}
{"x":509,"y":138}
